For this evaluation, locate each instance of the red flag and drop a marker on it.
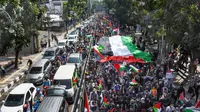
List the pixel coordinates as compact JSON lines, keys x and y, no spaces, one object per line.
{"x":157,"y":105}
{"x":86,"y":102}
{"x":181,"y":97}
{"x":112,"y":110}
{"x":110,"y":24}
{"x":117,"y":66}
{"x":105,"y":101}
{"x":198,"y":104}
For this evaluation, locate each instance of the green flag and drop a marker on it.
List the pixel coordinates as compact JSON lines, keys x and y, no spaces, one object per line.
{"x":100,"y":48}
{"x":89,"y":36}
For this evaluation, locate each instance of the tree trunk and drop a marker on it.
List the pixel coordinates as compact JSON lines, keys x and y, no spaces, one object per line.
{"x":193,"y":58}
{"x":16,"y":59}
{"x":37,"y":44}
{"x":34,"y":48}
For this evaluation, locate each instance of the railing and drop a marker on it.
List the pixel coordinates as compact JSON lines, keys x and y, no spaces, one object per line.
{"x":79,"y":97}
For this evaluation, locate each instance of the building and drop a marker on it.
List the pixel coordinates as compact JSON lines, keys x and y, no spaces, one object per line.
{"x":54,"y":6}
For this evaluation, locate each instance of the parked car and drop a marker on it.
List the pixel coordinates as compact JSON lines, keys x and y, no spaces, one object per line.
{"x":62,"y":43}
{"x":19,"y":99}
{"x":38,"y":71}
{"x":53,"y":104}
{"x":59,"y":90}
{"x":51,"y":53}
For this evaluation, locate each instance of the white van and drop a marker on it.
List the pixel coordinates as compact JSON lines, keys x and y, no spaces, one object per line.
{"x":65,"y":76}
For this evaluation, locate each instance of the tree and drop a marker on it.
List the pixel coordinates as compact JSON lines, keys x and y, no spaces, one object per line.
{"x":23,"y":27}
{"x":130,"y":12}
{"x":19,"y":40}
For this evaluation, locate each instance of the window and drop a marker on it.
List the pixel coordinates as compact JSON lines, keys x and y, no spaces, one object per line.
{"x":61,"y":44}
{"x":67,"y":83}
{"x":73,"y":60}
{"x":46,"y":65}
{"x":49,"y":53}
{"x":55,"y":92}
{"x":62,"y":108}
{"x":28,"y":95}
{"x":71,"y":37}
{"x":31,"y":89}
{"x":14,"y":100}
{"x":57,"y":50}
{"x":35,"y":70}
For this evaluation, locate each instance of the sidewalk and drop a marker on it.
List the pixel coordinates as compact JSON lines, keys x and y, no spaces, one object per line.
{"x":14,"y":75}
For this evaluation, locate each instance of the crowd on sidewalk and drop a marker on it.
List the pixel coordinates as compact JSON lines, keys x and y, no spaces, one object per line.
{"x":132,"y":87}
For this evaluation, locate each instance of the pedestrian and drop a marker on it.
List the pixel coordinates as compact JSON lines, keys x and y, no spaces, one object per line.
{"x":29,"y":63}
{"x":3,"y":71}
{"x":52,"y":37}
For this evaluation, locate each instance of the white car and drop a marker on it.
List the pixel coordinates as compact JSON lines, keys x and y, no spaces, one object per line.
{"x":62,"y":43}
{"x":73,"y":36}
{"x":17,"y":99}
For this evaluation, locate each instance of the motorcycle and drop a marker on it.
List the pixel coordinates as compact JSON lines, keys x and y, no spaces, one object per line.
{"x":44,"y":90}
{"x":36,"y":105}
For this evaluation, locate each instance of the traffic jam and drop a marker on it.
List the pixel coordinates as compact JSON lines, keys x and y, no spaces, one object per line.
{"x":50,"y":83}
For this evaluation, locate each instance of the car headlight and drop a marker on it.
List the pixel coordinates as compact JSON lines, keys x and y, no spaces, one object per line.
{"x":19,"y":111}
{"x":39,"y":77}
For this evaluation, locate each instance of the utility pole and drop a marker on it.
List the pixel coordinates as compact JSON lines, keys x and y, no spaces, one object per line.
{"x":89,"y":7}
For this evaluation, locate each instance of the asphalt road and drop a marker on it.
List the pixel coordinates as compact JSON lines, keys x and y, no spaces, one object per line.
{"x":3,"y":97}
{"x":21,"y":81}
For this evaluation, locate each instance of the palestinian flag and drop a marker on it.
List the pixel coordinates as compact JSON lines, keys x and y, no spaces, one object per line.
{"x":122,"y":46}
{"x":98,"y":49}
{"x":100,"y":85}
{"x":105,"y":101}
{"x":86,"y":102}
{"x":89,"y":36}
{"x":134,"y":69}
{"x":133,"y":82}
{"x":75,"y":77}
{"x":157,"y":107}
{"x":122,"y":68}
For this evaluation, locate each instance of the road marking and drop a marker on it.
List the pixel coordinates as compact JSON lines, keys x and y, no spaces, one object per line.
{"x":13,"y":74}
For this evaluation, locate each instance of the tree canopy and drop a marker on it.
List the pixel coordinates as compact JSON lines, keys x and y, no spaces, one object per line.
{"x":74,"y":9}
{"x":18,"y":33}
{"x":180,"y":18}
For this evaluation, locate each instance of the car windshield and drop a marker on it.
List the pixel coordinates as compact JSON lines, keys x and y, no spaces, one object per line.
{"x":55,"y":92}
{"x":35,"y":70}
{"x":73,"y":60}
{"x":61,"y":44}
{"x":73,"y":33}
{"x":49,"y":53}
{"x":14,"y":100}
{"x":71,"y":38}
{"x":67,"y":83}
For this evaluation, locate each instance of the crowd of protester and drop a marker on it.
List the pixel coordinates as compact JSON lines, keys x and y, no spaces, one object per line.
{"x":149,"y":90}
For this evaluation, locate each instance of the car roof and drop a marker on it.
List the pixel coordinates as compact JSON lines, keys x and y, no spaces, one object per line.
{"x":51,"y":48}
{"x":50,"y":104}
{"x":22,"y":88}
{"x":74,"y":55}
{"x":40,"y":62}
{"x":64,"y":72}
{"x":62,"y":40}
{"x":57,"y":87}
